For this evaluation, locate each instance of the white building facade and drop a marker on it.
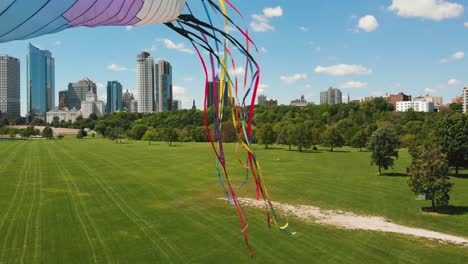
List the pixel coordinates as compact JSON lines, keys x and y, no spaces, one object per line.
{"x":145,"y":83}
{"x":92,"y":106}
{"x":417,"y":106}
{"x":63,"y":115}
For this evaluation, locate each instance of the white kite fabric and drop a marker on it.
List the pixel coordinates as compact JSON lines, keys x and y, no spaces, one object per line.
{"x":24,"y":19}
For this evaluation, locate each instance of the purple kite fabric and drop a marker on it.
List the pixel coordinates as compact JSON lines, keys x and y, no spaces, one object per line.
{"x":24,"y":19}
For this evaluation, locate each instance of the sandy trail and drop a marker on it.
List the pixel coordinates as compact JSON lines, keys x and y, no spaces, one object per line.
{"x":348,"y":220}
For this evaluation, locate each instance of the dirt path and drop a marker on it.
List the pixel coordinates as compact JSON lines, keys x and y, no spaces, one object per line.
{"x":353,"y":221}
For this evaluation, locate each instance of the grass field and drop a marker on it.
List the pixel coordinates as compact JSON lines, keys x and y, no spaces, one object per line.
{"x":94,"y":201}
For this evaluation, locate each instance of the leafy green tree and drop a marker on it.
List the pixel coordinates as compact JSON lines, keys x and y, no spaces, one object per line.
{"x":384,"y":147}
{"x":37,"y":122}
{"x":138,"y":131}
{"x":118,"y":134}
{"x":55,"y":122}
{"x":359,"y":140}
{"x":456,"y":107}
{"x":150,"y":135}
{"x":265,"y":134}
{"x":451,"y":134}
{"x":169,"y":135}
{"x":332,"y":138}
{"x":316,"y":132}
{"x":81,"y":134}
{"x":429,"y":175}
{"x":101,"y":127}
{"x":302,"y":136}
{"x":48,"y":133}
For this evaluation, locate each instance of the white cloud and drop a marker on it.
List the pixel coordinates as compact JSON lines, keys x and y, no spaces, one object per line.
{"x":429,"y":91}
{"x":261,"y":23}
{"x":431,"y":9}
{"x":58,"y":43}
{"x":303,"y":29}
{"x":100,"y":85}
{"x":188,"y":79}
{"x":117,"y":68}
{"x":294,"y":78}
{"x":263,"y":50}
{"x":178,"y":90}
{"x":343,"y":69}
{"x":128,"y":28}
{"x":454,"y":82}
{"x":354,"y":85}
{"x":239,"y":71}
{"x":460,"y":55}
{"x":368,"y":23}
{"x":465,"y":24}
{"x":175,"y":46}
{"x":273,"y":11}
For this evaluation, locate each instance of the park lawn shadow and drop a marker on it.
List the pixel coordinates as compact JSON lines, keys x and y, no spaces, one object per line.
{"x":460,"y":175}
{"x":395,"y":174}
{"x":447,"y":210}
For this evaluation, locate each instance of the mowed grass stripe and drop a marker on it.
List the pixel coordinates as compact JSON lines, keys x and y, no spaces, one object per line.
{"x":13,"y":217}
{"x":117,"y":200}
{"x":33,"y":205}
{"x":79,"y":208}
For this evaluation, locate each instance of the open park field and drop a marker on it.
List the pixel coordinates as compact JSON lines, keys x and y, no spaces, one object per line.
{"x":95,"y":201}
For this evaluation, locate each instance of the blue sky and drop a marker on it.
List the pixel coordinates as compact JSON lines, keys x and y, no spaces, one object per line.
{"x":364,"y":47}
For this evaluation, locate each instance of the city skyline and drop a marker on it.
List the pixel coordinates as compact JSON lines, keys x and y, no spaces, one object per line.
{"x":416,"y":54}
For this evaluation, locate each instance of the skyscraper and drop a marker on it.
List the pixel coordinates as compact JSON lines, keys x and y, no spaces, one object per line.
{"x":114,"y":97}
{"x":40,"y":82}
{"x":213,"y":93}
{"x":163,"y":87}
{"x":63,"y":99}
{"x":176,"y":105}
{"x":331,"y":96}
{"x":92,"y":105}
{"x":77,"y":92}
{"x":9,"y":87}
{"x":127,"y":99}
{"x":145,"y":83}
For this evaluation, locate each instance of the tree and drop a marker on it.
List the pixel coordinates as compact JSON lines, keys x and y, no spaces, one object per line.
{"x":384,"y":147}
{"x":150,"y":135}
{"x":302,"y":136}
{"x":56,"y":122}
{"x":169,"y":135}
{"x":332,"y":138}
{"x":359,"y":140}
{"x":48,"y":133}
{"x":119,"y":133}
{"x":316,"y":137}
{"x":138,"y":131}
{"x":451,"y":134}
{"x":429,"y":175}
{"x":60,"y":136}
{"x":81,"y":134}
{"x":265,"y":134}
{"x":37,"y":122}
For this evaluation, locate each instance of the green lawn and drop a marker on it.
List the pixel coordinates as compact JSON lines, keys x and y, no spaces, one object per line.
{"x":94,"y":201}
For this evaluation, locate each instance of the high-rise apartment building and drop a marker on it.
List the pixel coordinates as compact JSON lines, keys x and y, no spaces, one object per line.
{"x":77,"y":92}
{"x":10,"y":104}
{"x":163,"y":87}
{"x":114,"y":97}
{"x":262,"y":100}
{"x":127,"y":99}
{"x":331,"y":96}
{"x":465,"y":100}
{"x":145,"y":83}
{"x":40,"y":82}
